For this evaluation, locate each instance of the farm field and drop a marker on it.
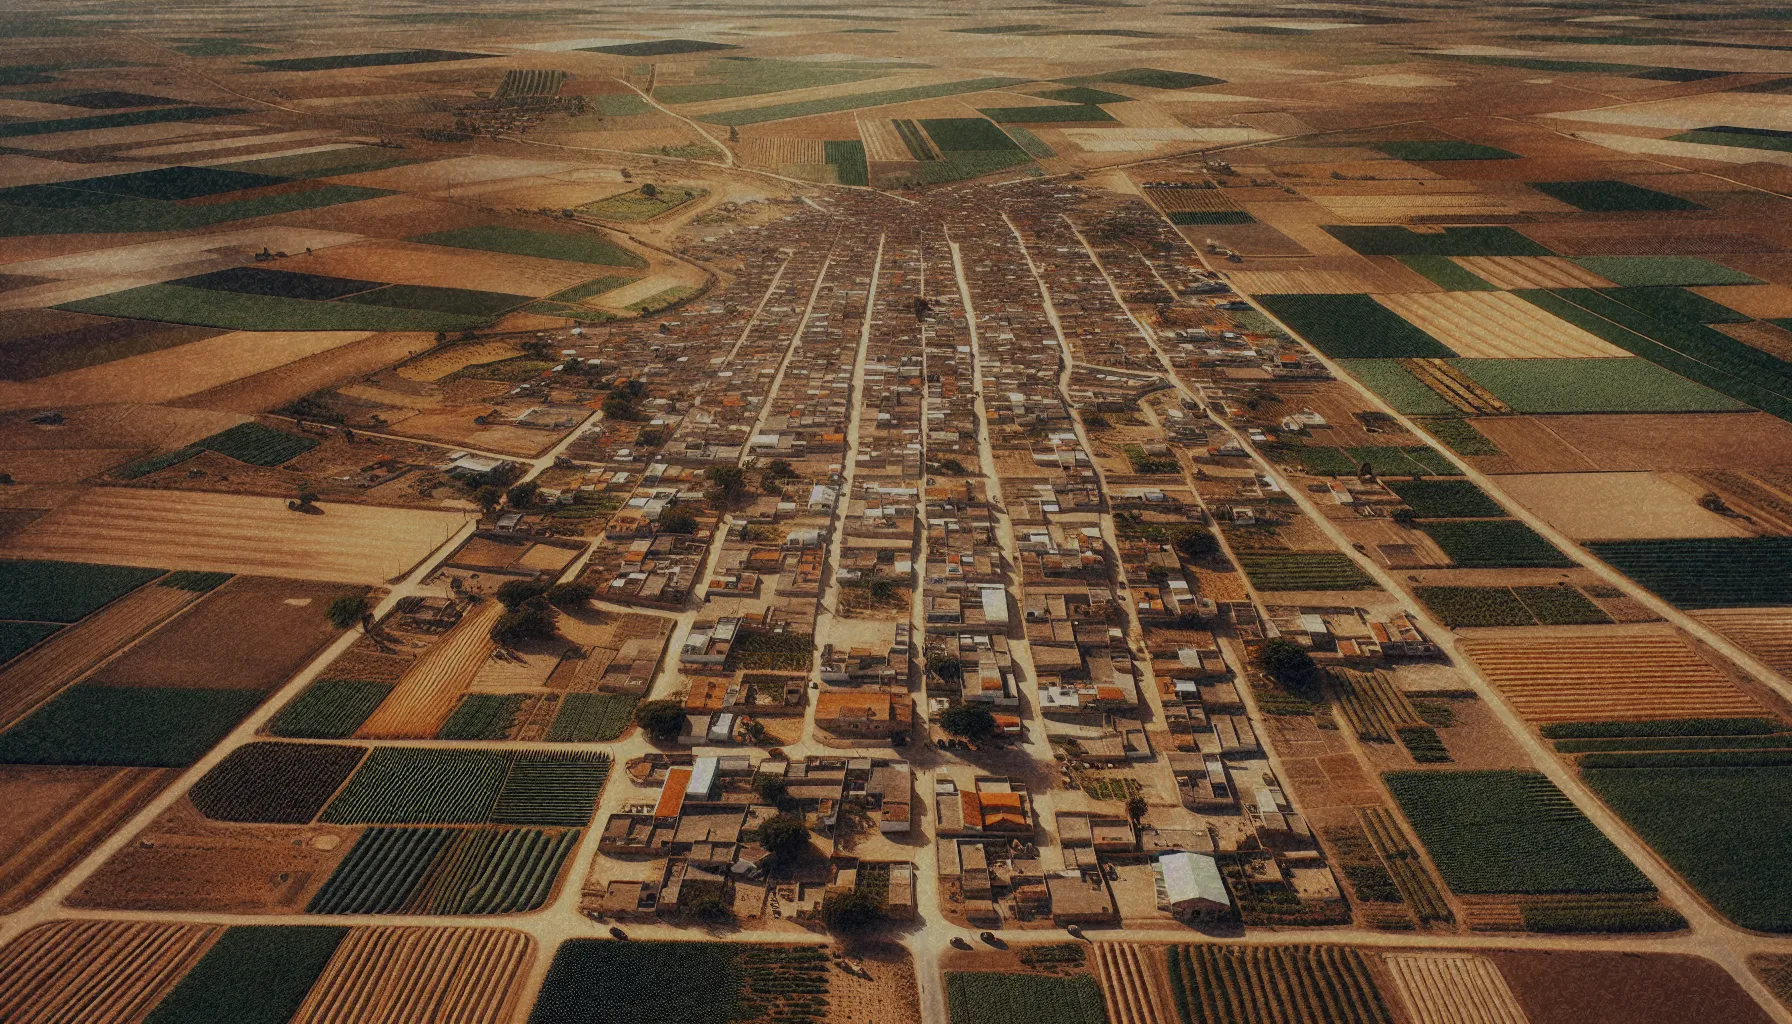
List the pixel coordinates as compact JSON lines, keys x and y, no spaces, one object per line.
{"x":1305,"y":572}
{"x":1716,"y":573}
{"x":975,"y":997}
{"x":1453,"y":988}
{"x":1510,"y":832}
{"x":1495,"y":544}
{"x":1619,"y":506}
{"x":1638,"y":677}
{"x":1445,"y":499}
{"x":1592,"y":386}
{"x":538,"y":244}
{"x":229,"y":533}
{"x":1765,"y":633}
{"x":1353,"y":327}
{"x":1510,"y":606}
{"x":640,"y":983}
{"x":1275,"y":984}
{"x":1496,"y":325}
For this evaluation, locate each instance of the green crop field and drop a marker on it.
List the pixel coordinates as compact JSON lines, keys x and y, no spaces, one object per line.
{"x":400,"y":785}
{"x":592,"y":288}
{"x":105,"y":216}
{"x":1561,"y":605}
{"x":1398,"y":387}
{"x":1316,"y":571}
{"x":1676,"y":305}
{"x":966,"y":134}
{"x":1150,"y":78}
{"x":848,"y":160}
{"x":919,"y":146}
{"x":1723,"y":829}
{"x":1741,"y":138}
{"x":636,"y":206}
{"x":18,"y":637}
{"x":1475,"y":606}
{"x":171,"y":183}
{"x":1398,"y":241}
{"x":64,"y":591}
{"x":664,"y":299}
{"x":1719,"y":572}
{"x":237,"y":312}
{"x":1406,"y":460}
{"x":1510,"y":832}
{"x":757,"y":76}
{"x":1284,"y":984}
{"x":274,"y":782}
{"x":1612,"y":196}
{"x":1445,"y":499}
{"x":482,"y":716}
{"x":1078,"y":112}
{"x":382,"y":871}
{"x":1443,"y":150}
{"x":1662,"y":727}
{"x":1313,"y":459}
{"x":1446,"y":273}
{"x":551,"y":789}
{"x":1031,"y":144}
{"x":256,"y":974}
{"x":280,"y":283}
{"x":990,"y":997}
{"x":459,"y":301}
{"x":1193,"y":217}
{"x":1687,"y":271}
{"x":1460,"y":435}
{"x":1353,"y":327}
{"x":592,"y":717}
{"x":258,"y":445}
{"x":596,"y":981}
{"x":1084,"y":95}
{"x":127,"y":726}
{"x":856,"y":101}
{"x":1592,"y":386}
{"x":446,"y":871}
{"x":1496,"y":544}
{"x":546,"y":245}
{"x":329,"y":709}
{"x":367,"y":60}
{"x":122,"y":119}
{"x":660,"y":48}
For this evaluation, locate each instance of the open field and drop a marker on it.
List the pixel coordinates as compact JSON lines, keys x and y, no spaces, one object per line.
{"x":420,"y":976}
{"x":103,"y":972}
{"x":1496,"y":325}
{"x":1601,"y":678}
{"x":425,"y":696}
{"x":976,"y":997}
{"x":58,"y":815}
{"x":1591,"y":386}
{"x":1353,"y":327}
{"x":1724,"y":572}
{"x":1765,"y":633}
{"x":229,"y":533}
{"x":1618,"y":506}
{"x":1276,"y":984}
{"x":645,"y":982}
{"x":1453,"y":988}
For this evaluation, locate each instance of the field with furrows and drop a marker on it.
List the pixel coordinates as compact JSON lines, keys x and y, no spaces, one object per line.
{"x":424,"y":698}
{"x":551,"y":789}
{"x":274,"y":782}
{"x":1516,"y":272}
{"x":75,"y":651}
{"x":1497,"y":325}
{"x":107,"y":799}
{"x":1274,"y":985}
{"x":1455,"y":387}
{"x":329,"y":709}
{"x":1765,"y":633}
{"x":95,"y":972}
{"x":1607,"y":678}
{"x":406,"y":785}
{"x":420,"y":976}
{"x":446,"y":871}
{"x":1453,"y":988}
{"x":1408,"y":872}
{"x":1373,"y":705}
{"x":1132,"y":984}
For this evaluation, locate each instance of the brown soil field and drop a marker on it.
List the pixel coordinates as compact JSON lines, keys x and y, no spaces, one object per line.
{"x":421,"y":976}
{"x":1765,"y":633}
{"x":433,"y":366}
{"x":1392,"y":544}
{"x":175,"y":372}
{"x":184,"y":863}
{"x":1563,"y":987}
{"x":63,"y":465}
{"x":443,"y":267}
{"x":1453,"y":988}
{"x":1773,"y":340}
{"x":1134,"y":984}
{"x":96,"y":972}
{"x":1683,"y":441}
{"x":1516,"y":272}
{"x":427,"y":693}
{"x":1578,"y":238}
{"x":57,"y":815}
{"x":443,"y":174}
{"x":1762,"y":301}
{"x":456,"y":427}
{"x":232,"y":533}
{"x":1497,"y":325}
{"x":77,"y":650}
{"x":125,"y":425}
{"x":1620,"y":506}
{"x":1320,"y":766}
{"x":250,"y":634}
{"x":888,"y":995}
{"x":1608,"y":677}
{"x":274,"y":388}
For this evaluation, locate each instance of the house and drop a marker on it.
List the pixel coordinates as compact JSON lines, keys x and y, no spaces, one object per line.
{"x":1081,"y":898}
{"x":1190,"y":887}
{"x":870,"y":713}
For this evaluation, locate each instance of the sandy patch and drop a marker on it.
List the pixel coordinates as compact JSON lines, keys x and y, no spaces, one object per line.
{"x":1619,"y":506}
{"x":61,"y":465}
{"x":1405,"y":81}
{"x":434,"y":366}
{"x":206,"y":146}
{"x":1744,"y":110}
{"x":1690,"y":150}
{"x":277,"y":387}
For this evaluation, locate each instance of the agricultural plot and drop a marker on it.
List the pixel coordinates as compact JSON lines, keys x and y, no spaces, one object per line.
{"x":329,"y":709}
{"x":64,"y":591}
{"x":736,"y":77}
{"x":1445,"y":499}
{"x":251,"y":975}
{"x":1453,"y":988}
{"x":1076,"y":112}
{"x":446,"y":871}
{"x":1724,"y":829}
{"x":1150,"y":78}
{"x":274,"y":782}
{"x":1475,"y":606}
{"x":1460,"y":436}
{"x":18,"y":637}
{"x":1612,"y":196}
{"x":848,"y":160}
{"x":540,"y":244}
{"x":855,"y":101}
{"x":1677,"y":306}
{"x":1435,"y":150}
{"x":1353,"y":327}
{"x":636,"y":205}
{"x":127,"y":726}
{"x":592,"y":717}
{"x":1446,"y":273}
{"x":660,"y":48}
{"x":1315,"y":571}
{"x":327,"y":163}
{"x":235,"y":311}
{"x":455,"y":301}
{"x":20,"y":129}
{"x":482,"y":716}
{"x":1591,"y":386}
{"x":1742,"y":138}
{"x":401,"y":785}
{"x":1510,"y":832}
{"x":1716,"y":572}
{"x":988,"y":997}
{"x":1398,"y":387}
{"x":1652,"y":271}
{"x":367,"y":60}
{"x":1607,"y":678}
{"x":1497,"y":325}
{"x":1271,"y":985}
{"x":594,"y":981}
{"x":528,"y":84}
{"x":95,"y":972}
{"x":420,"y":976}
{"x":1082,"y":94}
{"x":257,"y":445}
{"x":283,"y":283}
{"x":1619,"y":506}
{"x":1407,"y":460}
{"x":1399,"y":241}
{"x":1495,"y":544}
{"x":551,"y":789}
{"x":100,"y":216}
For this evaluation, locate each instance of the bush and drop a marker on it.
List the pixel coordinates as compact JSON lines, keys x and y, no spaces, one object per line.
{"x":346,"y":611}
{"x":972,"y":721}
{"x":678,"y":521}
{"x":850,"y":912}
{"x":1196,"y":543}
{"x":661,"y":719}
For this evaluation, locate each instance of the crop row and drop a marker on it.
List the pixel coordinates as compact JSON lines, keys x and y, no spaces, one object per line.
{"x":1304,"y":571}
{"x":1721,"y":572}
{"x":446,"y":871}
{"x":274,"y":782}
{"x":1274,"y":985}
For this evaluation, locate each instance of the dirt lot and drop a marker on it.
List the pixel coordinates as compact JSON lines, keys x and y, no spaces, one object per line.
{"x":1596,"y":443}
{"x":1620,"y":506}
{"x":889,"y":997}
{"x":250,"y":634}
{"x":1623,"y":988}
{"x":274,"y":388}
{"x":56,"y":816}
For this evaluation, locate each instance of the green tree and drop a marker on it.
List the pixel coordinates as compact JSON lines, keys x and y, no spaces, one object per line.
{"x":771,"y":789}
{"x":571,"y":596}
{"x":1289,"y":664}
{"x":1135,"y":813}
{"x":663,"y":720}
{"x":730,"y":481}
{"x":946,"y":667}
{"x":849,"y":913}
{"x":346,"y":611}
{"x":710,"y":910}
{"x":488,"y":497}
{"x":1196,"y":543}
{"x":523,"y":495}
{"x":677,"y":520}
{"x":512,"y":594}
{"x":532,"y":620}
{"x":784,"y":836}
{"x":972,"y":721}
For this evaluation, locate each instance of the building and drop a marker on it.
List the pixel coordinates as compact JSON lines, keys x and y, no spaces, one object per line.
{"x":1190,"y":887}
{"x":869,"y":713}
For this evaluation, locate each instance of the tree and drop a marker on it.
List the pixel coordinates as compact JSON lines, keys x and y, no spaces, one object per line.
{"x":850,"y":912}
{"x":730,"y":481}
{"x":571,"y":596}
{"x":946,"y":667}
{"x":1196,"y":543}
{"x":784,"y":836}
{"x":650,"y":190}
{"x":346,"y":611}
{"x":663,"y":720}
{"x":1135,"y":813}
{"x":677,"y":520}
{"x":522,"y":495}
{"x":710,"y":910}
{"x":771,"y":789}
{"x":532,"y":620}
{"x":972,"y":721}
{"x":954,"y":467}
{"x":1291,"y":666}
{"x":488,"y":498}
{"x":512,"y":594}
